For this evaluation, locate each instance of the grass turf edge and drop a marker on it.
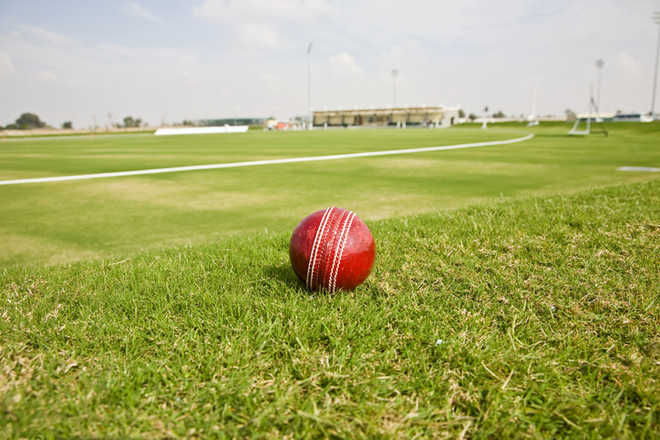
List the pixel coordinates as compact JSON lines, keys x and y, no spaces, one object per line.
{"x":545,"y":310}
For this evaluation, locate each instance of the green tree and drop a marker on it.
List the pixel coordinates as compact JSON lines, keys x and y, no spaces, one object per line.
{"x":67,"y":125}
{"x":461,"y":113}
{"x":29,"y":120}
{"x":472,"y":117}
{"x":499,"y":114}
{"x":129,"y":122}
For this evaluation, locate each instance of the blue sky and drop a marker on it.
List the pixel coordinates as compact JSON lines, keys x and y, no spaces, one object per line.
{"x":167,"y":60}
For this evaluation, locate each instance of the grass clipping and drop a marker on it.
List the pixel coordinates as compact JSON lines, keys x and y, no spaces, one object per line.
{"x":532,"y":318}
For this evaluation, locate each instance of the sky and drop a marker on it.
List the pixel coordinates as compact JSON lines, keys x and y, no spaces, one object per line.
{"x":166,"y":61}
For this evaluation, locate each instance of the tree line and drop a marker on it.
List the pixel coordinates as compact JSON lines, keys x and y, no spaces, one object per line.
{"x":29,"y":121}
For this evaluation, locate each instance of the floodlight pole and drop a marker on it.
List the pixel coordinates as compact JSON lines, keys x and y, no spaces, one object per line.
{"x":395,"y":73}
{"x":309,"y":84}
{"x":656,"y":19}
{"x":599,"y":65}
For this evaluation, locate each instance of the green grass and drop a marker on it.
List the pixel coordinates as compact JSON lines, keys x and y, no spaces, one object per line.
{"x":53,"y":223}
{"x":547,"y":308}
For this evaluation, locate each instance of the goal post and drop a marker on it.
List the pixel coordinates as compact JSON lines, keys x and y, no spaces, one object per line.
{"x":594,"y":114}
{"x":576,"y":126}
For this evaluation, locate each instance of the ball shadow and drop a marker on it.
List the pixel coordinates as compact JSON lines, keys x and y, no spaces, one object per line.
{"x":284,"y":274}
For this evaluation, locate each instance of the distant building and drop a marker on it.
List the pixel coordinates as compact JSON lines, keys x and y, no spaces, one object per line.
{"x":618,"y":117}
{"x":229,"y":121}
{"x":605,"y":117}
{"x":628,"y":117}
{"x":436,"y":116}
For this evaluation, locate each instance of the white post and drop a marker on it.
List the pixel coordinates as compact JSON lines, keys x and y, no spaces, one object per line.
{"x":599,"y":65}
{"x":309,"y":85}
{"x":395,"y":73}
{"x":656,"y":18}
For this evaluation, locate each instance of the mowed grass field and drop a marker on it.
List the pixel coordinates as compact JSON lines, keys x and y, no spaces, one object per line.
{"x":53,"y":223}
{"x":515,"y":292}
{"x":535,"y":318}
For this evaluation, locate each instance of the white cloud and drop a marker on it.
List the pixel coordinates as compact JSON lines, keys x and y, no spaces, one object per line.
{"x":141,"y":81}
{"x":250,"y":56}
{"x":631,"y":66}
{"x":42,"y":36}
{"x":344,"y":63}
{"x":46,"y":76}
{"x":259,"y":35}
{"x":135,"y":9}
{"x":264,"y":24}
{"x":6,"y":66}
{"x":293,"y":10}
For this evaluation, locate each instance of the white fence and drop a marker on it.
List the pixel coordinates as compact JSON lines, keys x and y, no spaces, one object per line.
{"x":202,"y":130}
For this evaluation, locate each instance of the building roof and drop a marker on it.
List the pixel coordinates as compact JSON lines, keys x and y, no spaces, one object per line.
{"x":386,"y":110}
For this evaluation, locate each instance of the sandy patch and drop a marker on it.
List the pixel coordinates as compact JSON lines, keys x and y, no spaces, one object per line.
{"x":175,"y":194}
{"x":25,"y":248}
{"x":403,"y":163}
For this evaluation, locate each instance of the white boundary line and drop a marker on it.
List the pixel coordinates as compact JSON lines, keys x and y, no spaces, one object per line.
{"x":260,"y":162}
{"x":647,"y":169}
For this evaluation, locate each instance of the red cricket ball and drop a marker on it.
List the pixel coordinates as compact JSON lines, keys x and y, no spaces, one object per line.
{"x":332,"y":249}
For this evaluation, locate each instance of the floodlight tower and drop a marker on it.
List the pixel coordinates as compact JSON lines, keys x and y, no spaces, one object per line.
{"x":309,"y":83}
{"x":395,"y":73}
{"x":656,"y":19}
{"x":599,"y":65}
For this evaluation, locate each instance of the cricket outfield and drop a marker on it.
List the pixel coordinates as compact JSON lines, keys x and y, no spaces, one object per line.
{"x":515,"y":291}
{"x":67,"y":221}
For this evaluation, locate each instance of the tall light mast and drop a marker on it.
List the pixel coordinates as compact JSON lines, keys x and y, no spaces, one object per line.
{"x":395,"y":73}
{"x":656,"y":19}
{"x":599,"y":65}
{"x":309,"y":84}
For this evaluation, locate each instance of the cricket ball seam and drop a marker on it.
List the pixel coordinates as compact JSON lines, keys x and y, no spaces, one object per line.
{"x":315,"y":246}
{"x":326,"y":247}
{"x":339,"y":251}
{"x":330,"y":246}
{"x":318,"y":239}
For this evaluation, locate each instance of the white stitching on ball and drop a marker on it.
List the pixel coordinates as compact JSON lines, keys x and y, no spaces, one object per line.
{"x":340,"y":251}
{"x":332,"y":235}
{"x":315,"y":246}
